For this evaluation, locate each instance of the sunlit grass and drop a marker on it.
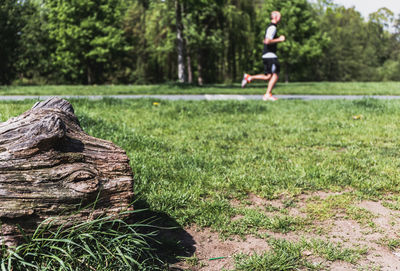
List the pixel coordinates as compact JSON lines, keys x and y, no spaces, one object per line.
{"x":191,"y":160}
{"x":289,"y":256}
{"x":322,"y":88}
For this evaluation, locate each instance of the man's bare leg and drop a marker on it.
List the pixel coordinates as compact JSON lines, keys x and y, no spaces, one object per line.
{"x":247,"y":78}
{"x":271,"y":84}
{"x":264,"y":77}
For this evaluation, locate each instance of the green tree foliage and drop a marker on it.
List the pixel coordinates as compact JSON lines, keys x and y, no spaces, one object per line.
{"x":240,"y":24}
{"x":221,"y":31}
{"x":219,"y":39}
{"x":134,"y":26}
{"x":348,"y":39}
{"x":161,"y":37}
{"x":10,"y":26}
{"x":150,"y":29}
{"x":137,"y":41}
{"x":304,"y":40}
{"x":204,"y":33}
{"x":390,"y":70}
{"x":358,"y":48}
{"x":89,"y":37}
{"x":33,"y":63}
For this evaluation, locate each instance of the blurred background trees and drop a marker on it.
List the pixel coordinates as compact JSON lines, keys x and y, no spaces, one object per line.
{"x":11,"y":24}
{"x":191,"y":41}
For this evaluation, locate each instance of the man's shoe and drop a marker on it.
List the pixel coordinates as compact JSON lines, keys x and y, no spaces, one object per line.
{"x":245,"y":79}
{"x":269,"y":98}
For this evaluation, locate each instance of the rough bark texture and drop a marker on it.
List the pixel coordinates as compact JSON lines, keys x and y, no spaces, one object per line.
{"x":49,"y":167}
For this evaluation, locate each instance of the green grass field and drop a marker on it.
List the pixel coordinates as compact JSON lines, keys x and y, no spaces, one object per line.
{"x":197,"y":163}
{"x":321,"y":88}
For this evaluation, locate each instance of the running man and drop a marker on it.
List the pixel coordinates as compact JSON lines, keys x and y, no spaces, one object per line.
{"x":270,"y":59}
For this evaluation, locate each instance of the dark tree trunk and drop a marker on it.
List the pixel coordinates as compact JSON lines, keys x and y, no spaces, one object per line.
{"x":49,"y":167}
{"x":286,"y":73}
{"x":189,"y":69}
{"x":199,"y":68}
{"x":89,"y":75}
{"x":232,"y":57}
{"x":188,"y":56}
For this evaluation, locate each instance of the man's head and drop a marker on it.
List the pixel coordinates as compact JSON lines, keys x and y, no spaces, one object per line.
{"x":275,"y":16}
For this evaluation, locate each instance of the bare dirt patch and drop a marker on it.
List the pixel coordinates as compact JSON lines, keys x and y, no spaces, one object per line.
{"x":209,"y":245}
{"x":340,"y":230}
{"x":253,"y":201}
{"x":386,"y":220}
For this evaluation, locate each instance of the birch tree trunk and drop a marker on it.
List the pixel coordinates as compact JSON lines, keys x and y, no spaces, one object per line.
{"x":181,"y":43}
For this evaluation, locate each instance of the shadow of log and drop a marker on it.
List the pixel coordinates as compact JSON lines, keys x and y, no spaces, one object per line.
{"x":171,"y":242}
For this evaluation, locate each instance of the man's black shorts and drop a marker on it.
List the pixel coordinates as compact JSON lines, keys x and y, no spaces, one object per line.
{"x":271,"y":65}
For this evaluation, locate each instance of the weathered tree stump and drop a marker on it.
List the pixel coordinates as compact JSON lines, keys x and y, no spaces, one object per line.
{"x":49,"y":167}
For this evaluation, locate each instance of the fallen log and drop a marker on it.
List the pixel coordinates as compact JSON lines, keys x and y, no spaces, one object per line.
{"x":49,"y":167}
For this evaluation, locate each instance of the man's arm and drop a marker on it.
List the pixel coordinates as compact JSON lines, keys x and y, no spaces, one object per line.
{"x":272,"y":41}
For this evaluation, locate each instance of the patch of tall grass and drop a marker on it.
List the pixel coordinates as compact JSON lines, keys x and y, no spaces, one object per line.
{"x":105,"y":243}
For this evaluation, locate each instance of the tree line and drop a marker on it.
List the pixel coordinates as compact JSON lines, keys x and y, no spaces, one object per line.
{"x":191,"y":41}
